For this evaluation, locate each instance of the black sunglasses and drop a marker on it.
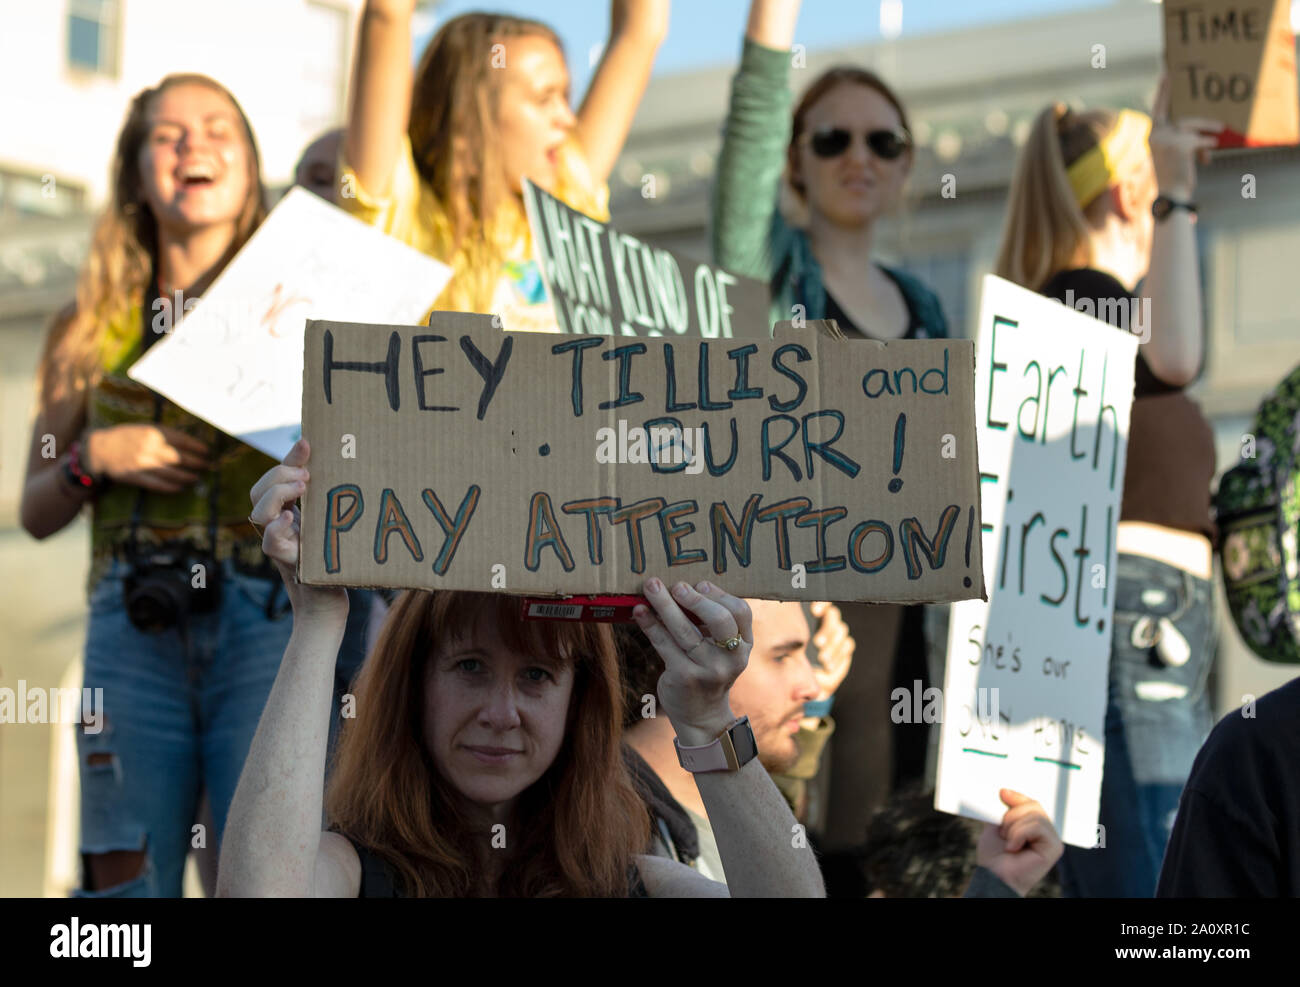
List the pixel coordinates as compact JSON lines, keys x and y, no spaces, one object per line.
{"x":885,"y":144}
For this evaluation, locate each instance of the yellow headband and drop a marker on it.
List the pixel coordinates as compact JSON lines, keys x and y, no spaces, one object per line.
{"x":1098,"y":167}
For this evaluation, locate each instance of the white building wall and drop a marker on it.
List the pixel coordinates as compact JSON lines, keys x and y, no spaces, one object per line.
{"x":277,"y":57}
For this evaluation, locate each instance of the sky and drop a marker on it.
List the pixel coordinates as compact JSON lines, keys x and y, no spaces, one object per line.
{"x":708,"y":32}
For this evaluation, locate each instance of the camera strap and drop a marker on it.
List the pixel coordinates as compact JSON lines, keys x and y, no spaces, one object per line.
{"x":148,"y":338}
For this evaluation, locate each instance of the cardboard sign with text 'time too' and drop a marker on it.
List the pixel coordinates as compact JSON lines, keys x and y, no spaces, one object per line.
{"x":459,"y":456}
{"x":1234,"y":61}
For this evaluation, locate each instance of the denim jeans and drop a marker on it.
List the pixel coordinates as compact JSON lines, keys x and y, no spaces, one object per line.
{"x":179,"y":714}
{"x":1157,"y":717}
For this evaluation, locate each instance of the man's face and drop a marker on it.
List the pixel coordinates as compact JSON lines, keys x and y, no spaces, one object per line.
{"x":317,"y":170}
{"x":777,"y":682}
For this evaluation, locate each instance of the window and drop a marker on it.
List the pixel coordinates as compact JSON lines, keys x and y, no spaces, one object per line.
{"x":93,"y":27}
{"x":28,"y":194}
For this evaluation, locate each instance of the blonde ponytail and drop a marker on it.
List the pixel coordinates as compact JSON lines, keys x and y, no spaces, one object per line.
{"x":1046,"y":230}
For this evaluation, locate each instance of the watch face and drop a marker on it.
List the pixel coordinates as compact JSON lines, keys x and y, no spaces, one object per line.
{"x":742,"y":740}
{"x":1161,"y":208}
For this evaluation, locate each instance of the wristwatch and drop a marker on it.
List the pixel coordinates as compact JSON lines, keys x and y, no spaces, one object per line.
{"x":1164,"y":205}
{"x":730,"y":752}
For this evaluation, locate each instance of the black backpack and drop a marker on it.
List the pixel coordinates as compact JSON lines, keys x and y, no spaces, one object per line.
{"x":1258,"y":508}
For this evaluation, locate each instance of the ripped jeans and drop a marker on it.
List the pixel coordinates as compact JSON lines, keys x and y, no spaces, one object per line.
{"x":1157,"y":717}
{"x":178,"y":716}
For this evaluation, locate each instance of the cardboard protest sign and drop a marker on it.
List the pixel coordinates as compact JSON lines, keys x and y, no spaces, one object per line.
{"x":603,"y":282}
{"x":460,"y":456}
{"x":234,"y":357}
{"x":1234,"y":61}
{"x":1025,"y":688}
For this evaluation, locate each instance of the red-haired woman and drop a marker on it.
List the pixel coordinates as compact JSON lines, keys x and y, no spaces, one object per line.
{"x":484,"y":759}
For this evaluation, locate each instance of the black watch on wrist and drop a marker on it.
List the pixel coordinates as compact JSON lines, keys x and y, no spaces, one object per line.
{"x":1164,"y":205}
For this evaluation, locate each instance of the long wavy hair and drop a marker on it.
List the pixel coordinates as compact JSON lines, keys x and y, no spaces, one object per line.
{"x":124,"y":249}
{"x":1046,"y":230}
{"x":581,"y":823}
{"x":453,"y":133}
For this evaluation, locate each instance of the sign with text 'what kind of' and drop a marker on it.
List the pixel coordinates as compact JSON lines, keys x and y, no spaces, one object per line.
{"x":1234,"y":61}
{"x":603,"y":282}
{"x":234,"y":357}
{"x":800,"y":467}
{"x":1025,"y":688}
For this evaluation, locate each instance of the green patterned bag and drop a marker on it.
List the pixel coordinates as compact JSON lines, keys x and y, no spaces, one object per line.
{"x":1258,"y":506}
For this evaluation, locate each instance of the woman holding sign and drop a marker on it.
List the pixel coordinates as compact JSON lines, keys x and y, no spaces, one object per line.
{"x":187,"y":624}
{"x":1100,"y":201}
{"x":183,"y":629}
{"x":485,"y":756}
{"x":438,"y":161}
{"x":845,"y":153}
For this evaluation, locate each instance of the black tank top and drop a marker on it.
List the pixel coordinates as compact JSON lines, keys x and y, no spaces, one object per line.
{"x":378,"y":881}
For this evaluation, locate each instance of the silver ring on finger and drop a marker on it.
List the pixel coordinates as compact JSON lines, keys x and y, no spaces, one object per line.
{"x":730,"y":644}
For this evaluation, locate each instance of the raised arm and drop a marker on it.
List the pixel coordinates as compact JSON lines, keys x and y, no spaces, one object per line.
{"x":273,"y":845}
{"x":636,"y":29}
{"x":1173,"y":282}
{"x":380,"y":97}
{"x":754,"y":139}
{"x":764,"y":851}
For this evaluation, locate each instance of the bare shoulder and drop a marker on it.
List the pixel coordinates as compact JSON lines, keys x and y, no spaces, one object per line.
{"x":664,"y":878}
{"x":338,"y":868}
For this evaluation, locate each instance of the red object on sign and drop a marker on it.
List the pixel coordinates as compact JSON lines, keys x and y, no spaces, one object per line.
{"x":609,"y":609}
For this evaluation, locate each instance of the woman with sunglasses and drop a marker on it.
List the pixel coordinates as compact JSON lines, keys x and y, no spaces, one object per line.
{"x":845,"y":154}
{"x":485,"y":756}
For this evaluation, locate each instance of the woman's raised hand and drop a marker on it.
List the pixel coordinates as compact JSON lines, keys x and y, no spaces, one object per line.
{"x":695,"y":688}
{"x":276,"y":514}
{"x":1176,"y":147}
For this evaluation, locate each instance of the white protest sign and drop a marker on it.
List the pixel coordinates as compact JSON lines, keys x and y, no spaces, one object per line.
{"x":1026,"y":680}
{"x":235,"y":358}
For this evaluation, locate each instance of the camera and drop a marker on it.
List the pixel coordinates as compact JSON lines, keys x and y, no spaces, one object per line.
{"x":166,"y":584}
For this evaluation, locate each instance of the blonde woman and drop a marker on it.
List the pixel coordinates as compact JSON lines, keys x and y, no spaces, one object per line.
{"x":437,"y":160}
{"x":186,"y":622}
{"x":1101,"y":201}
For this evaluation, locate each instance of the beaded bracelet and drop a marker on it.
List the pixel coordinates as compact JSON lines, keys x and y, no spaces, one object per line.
{"x":76,"y":475}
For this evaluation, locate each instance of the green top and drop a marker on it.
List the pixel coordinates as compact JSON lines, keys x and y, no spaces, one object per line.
{"x":750,"y":237}
{"x":169,"y":518}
